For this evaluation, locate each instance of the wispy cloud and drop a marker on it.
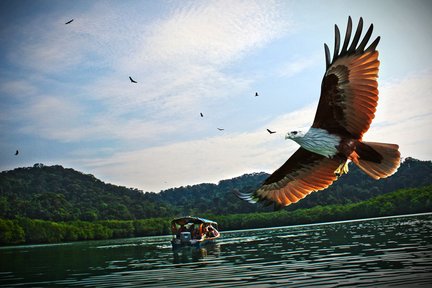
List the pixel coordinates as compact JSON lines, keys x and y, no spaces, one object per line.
{"x":209,"y":33}
{"x":188,"y":50}
{"x":203,"y":160}
{"x":404,"y":99}
{"x":178,"y":60}
{"x":17,"y":88}
{"x":404,"y":116}
{"x":299,"y":65}
{"x":53,"y":118}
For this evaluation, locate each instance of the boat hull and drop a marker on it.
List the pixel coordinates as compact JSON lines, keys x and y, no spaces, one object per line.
{"x":176,"y":244}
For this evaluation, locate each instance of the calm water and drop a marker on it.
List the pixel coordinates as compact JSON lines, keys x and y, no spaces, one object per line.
{"x":377,"y":252}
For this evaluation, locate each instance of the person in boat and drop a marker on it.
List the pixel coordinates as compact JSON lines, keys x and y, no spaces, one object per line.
{"x":180,"y":230}
{"x":211,"y":232}
{"x":198,"y":233}
{"x":191,"y":229}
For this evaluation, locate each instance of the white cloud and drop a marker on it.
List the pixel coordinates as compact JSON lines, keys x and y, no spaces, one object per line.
{"x":405,"y":99}
{"x":184,"y":163}
{"x":204,"y":160}
{"x":404,"y":115}
{"x":299,"y":65}
{"x":181,"y":60}
{"x":214,"y":32}
{"x":52,"y":117}
{"x":17,"y":88}
{"x":178,"y":61}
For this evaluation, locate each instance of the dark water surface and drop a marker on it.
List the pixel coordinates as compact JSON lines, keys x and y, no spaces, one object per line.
{"x":389,"y":252}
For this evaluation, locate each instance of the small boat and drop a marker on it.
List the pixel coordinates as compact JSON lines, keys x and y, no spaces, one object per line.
{"x":193,"y":231}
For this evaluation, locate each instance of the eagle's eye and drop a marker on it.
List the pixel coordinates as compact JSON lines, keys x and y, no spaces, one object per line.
{"x":294,"y":132}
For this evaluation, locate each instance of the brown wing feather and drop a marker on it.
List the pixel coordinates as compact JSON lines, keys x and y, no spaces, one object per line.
{"x":303,"y":173}
{"x":349,"y":90}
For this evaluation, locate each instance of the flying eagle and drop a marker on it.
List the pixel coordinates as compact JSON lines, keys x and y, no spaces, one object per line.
{"x":271,"y":132}
{"x":132,"y":80}
{"x":256,"y":94}
{"x":16,"y":153}
{"x":70,"y":21}
{"x":349,"y":96}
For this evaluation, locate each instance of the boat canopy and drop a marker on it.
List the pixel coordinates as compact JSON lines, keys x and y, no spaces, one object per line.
{"x":190,"y":219}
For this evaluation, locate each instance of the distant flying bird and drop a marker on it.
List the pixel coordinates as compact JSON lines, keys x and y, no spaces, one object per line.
{"x":349,"y":96}
{"x":17,"y":152}
{"x":70,"y":21}
{"x":132,"y":80}
{"x":271,"y":132}
{"x":201,"y":115}
{"x":220,"y":129}
{"x":256,"y":94}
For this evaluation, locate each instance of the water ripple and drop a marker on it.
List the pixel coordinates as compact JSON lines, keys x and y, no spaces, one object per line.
{"x":391,"y":252}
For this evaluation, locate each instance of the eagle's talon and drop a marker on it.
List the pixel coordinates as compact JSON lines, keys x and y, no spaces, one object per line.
{"x":342,"y":169}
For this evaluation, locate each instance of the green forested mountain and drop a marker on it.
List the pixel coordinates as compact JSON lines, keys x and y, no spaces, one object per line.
{"x":353,"y":187}
{"x":31,"y":231}
{"x":61,"y":194}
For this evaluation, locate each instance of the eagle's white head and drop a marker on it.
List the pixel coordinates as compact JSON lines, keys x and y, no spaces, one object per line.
{"x":295,"y":135}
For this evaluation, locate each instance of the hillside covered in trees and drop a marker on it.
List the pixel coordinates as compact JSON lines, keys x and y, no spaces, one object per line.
{"x":403,"y":201}
{"x":55,"y":193}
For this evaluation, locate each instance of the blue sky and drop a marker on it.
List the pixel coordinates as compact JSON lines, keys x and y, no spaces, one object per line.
{"x":65,"y":96}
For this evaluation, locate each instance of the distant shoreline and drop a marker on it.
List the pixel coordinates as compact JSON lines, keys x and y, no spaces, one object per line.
{"x":332,"y":222}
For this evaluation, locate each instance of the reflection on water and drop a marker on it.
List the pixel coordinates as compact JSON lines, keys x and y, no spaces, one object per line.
{"x":194,"y":254}
{"x":376,"y":252}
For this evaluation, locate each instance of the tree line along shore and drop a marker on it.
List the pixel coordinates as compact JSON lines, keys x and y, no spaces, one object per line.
{"x":23,"y":230}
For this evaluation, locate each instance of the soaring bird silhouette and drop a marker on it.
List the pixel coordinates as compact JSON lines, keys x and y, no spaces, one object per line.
{"x":132,"y":80}
{"x":349,"y":97}
{"x":256,"y":94}
{"x":201,"y":115}
{"x":16,"y":153}
{"x":70,"y":21}
{"x":271,"y":132}
{"x":220,"y":129}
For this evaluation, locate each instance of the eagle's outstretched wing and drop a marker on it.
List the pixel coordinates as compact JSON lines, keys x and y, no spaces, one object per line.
{"x":349,"y":96}
{"x":349,"y":89}
{"x":303,"y":173}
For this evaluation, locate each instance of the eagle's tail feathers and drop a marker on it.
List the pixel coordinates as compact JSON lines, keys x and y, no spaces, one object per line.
{"x":378,"y":160}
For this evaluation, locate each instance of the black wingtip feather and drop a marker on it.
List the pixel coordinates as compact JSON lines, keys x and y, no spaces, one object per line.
{"x":327,"y":55}
{"x":365,"y":39}
{"x":356,"y":36}
{"x":354,"y":47}
{"x":347,"y":36}
{"x":337,"y":43}
{"x":373,"y":45}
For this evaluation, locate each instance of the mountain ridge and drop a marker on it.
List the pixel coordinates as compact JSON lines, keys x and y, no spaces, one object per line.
{"x":60,"y":194}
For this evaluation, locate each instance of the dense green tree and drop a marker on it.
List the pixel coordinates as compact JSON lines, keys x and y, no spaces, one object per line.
{"x":11,"y":232}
